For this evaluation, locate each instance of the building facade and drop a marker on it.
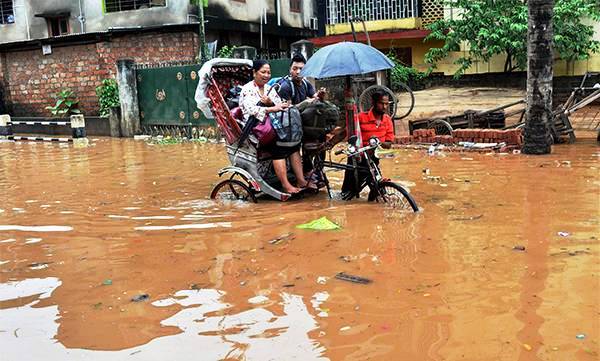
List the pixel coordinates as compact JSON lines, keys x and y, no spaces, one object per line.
{"x":46,"y":46}
{"x":399,"y":26}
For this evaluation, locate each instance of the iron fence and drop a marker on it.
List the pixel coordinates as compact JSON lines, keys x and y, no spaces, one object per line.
{"x":341,"y":11}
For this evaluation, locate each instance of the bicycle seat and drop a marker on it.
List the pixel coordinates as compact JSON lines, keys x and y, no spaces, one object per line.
{"x":312,"y":147}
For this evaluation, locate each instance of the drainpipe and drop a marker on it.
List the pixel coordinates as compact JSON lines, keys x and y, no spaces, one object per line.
{"x":26,"y":19}
{"x":278,"y":12}
{"x":81,"y":17}
{"x":201,"y":33}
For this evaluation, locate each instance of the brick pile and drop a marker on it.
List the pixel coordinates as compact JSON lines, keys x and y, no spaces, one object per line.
{"x":512,"y":137}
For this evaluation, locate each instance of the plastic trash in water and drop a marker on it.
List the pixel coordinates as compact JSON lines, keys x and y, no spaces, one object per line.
{"x":564,"y":234}
{"x":321,"y":224}
{"x":431,"y":150}
{"x":580,"y":336}
{"x":322,"y":280}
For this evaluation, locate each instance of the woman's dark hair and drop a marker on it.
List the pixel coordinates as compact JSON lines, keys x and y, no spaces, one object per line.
{"x":258,"y":63}
{"x":376,"y":96}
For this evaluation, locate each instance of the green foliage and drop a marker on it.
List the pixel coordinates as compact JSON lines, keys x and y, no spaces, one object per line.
{"x":226,"y":52}
{"x":197,"y":2}
{"x":168,"y":140}
{"x":108,"y":96}
{"x":404,"y":74}
{"x":66,"y":104}
{"x":493,"y":27}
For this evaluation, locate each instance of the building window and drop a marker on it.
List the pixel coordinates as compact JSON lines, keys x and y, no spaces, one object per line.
{"x":112,"y":6}
{"x":295,"y":5}
{"x":7,"y":13}
{"x":58,"y":26}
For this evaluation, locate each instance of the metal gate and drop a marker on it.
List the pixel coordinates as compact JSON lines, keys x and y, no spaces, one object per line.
{"x":166,"y":100}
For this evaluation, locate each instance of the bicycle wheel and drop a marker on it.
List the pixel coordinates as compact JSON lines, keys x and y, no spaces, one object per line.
{"x":232,"y":190}
{"x":405,"y":101}
{"x":441,"y":127}
{"x":395,"y":196}
{"x":365,"y":103}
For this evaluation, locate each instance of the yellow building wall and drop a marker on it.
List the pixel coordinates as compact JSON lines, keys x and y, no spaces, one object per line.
{"x":495,"y":65}
{"x":447,"y":66}
{"x":376,"y":25}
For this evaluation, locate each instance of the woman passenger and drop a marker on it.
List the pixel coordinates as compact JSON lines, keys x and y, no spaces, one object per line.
{"x":257,"y":100}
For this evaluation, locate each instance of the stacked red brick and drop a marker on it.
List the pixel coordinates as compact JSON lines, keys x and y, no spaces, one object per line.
{"x":510,"y":136}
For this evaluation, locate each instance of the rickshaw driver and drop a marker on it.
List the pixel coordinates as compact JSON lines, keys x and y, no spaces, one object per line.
{"x":374,"y":123}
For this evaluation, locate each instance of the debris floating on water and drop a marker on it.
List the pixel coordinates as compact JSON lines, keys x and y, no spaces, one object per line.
{"x":322,"y":280}
{"x":321,"y":224}
{"x":580,"y":336}
{"x":354,"y":279}
{"x":283,"y":237}
{"x":564,"y":234}
{"x":519,"y":248}
{"x":140,"y":298}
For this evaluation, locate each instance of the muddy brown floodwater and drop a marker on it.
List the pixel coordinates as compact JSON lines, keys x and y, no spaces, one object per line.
{"x":502,"y":263}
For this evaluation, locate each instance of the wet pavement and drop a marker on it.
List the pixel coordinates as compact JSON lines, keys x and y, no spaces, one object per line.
{"x":502,"y":262}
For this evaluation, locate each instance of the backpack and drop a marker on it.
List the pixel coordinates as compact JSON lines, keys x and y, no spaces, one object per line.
{"x":318,"y":119}
{"x":288,"y":127}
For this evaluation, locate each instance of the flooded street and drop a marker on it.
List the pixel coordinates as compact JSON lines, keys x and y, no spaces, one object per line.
{"x":502,"y":262}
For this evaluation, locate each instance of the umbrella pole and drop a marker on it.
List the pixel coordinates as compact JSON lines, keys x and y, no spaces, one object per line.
{"x":350,"y":124}
{"x":349,"y":106}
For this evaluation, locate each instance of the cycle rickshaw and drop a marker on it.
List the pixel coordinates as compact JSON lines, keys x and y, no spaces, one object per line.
{"x":250,"y":175}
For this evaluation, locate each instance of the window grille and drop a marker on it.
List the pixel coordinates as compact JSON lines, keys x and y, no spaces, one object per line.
{"x":432,"y":10}
{"x":295,"y":5}
{"x":341,"y":11}
{"x":7,"y":13}
{"x":112,"y":6}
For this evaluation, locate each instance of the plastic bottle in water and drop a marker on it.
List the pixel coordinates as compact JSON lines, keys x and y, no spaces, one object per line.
{"x":431,"y":150}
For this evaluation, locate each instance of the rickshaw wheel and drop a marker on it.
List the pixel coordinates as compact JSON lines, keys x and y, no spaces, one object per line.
{"x":395,"y":196}
{"x":441,"y":127}
{"x":232,"y":190}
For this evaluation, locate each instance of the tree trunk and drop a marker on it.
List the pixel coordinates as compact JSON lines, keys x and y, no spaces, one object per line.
{"x":539,"y":78}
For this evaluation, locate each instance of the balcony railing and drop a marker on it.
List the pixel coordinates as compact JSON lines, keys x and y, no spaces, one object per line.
{"x":341,"y":11}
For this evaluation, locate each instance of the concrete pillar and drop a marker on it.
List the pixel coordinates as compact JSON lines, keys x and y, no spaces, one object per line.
{"x":114,"y":120}
{"x":78,"y":126}
{"x":78,"y":129}
{"x":244,"y":52}
{"x":5,"y":126}
{"x":304,"y":47}
{"x":130,"y":111}
{"x":381,"y":78}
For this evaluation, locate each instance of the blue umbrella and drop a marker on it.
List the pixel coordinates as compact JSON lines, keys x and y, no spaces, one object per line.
{"x":345,"y":58}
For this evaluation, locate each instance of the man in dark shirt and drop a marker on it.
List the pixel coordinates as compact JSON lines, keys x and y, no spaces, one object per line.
{"x":294,"y":87}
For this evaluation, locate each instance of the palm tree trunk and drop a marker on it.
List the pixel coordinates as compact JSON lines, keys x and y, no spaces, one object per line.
{"x":539,"y":78}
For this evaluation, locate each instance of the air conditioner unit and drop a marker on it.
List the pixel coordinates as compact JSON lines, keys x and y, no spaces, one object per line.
{"x":313,"y":23}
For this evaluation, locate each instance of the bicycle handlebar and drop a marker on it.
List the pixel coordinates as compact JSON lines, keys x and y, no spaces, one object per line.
{"x":358,"y":151}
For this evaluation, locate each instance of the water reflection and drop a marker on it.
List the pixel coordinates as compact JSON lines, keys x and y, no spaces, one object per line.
{"x":206,"y":328}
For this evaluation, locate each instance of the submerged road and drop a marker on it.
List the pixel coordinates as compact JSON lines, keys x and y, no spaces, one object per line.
{"x":502,"y":263}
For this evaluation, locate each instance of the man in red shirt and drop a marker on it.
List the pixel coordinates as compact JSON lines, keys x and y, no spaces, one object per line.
{"x":374,"y":123}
